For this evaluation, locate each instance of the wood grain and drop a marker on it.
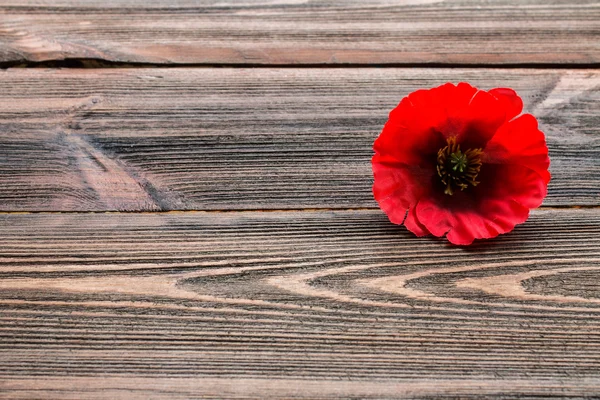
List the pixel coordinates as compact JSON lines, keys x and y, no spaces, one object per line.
{"x":212,"y":139}
{"x":294,"y":305}
{"x":287,"y":32}
{"x":277,"y":277}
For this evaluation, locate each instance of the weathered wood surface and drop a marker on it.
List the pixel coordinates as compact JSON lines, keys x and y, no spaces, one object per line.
{"x":212,"y":139}
{"x":328,"y":299}
{"x":302,"y":32}
{"x":295,"y":305}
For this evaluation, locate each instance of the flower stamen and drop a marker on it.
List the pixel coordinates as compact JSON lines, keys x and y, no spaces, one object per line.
{"x":456,"y":169}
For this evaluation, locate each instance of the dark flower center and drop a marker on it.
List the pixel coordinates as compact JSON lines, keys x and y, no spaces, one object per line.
{"x":458,"y":170}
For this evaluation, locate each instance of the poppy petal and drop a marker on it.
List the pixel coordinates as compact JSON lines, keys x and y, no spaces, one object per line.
{"x":519,"y":142}
{"x":397,"y":187}
{"x":471,"y":116}
{"x":442,"y":105}
{"x":408,"y":136}
{"x":513,"y":182}
{"x":482,"y":118}
{"x":510,"y":100}
{"x":488,"y":219}
{"x":445,"y":105}
{"x":413,"y":224}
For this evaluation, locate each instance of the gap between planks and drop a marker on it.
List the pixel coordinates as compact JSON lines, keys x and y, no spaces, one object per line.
{"x":261,"y":210}
{"x":94,"y":63}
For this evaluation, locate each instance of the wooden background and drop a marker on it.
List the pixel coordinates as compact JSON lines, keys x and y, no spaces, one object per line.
{"x":185,"y":205}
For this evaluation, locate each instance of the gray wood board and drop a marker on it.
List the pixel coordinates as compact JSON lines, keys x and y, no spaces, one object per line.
{"x":282,"y":32}
{"x":219,"y":138}
{"x":295,"y":304}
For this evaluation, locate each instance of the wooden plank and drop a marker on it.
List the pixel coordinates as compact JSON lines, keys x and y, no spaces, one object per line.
{"x":294,"y":305}
{"x":284,"y":32}
{"x":160,"y":387}
{"x":210,"y":139}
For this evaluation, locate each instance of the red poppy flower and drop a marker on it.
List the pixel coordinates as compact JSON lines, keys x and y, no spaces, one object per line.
{"x":460,"y":162}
